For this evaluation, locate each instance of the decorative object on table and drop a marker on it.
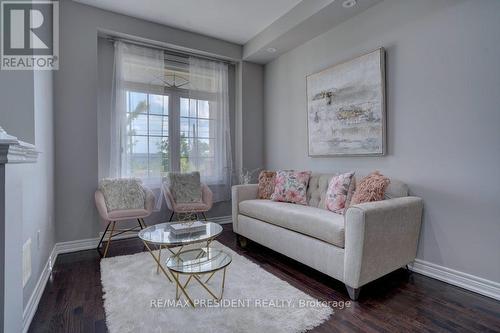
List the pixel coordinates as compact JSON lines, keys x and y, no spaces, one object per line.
{"x":163,"y":237}
{"x":122,"y":199}
{"x":267,"y":180}
{"x":346,"y":108}
{"x":187,"y":228}
{"x":339,"y":192}
{"x":371,"y":188}
{"x":130,"y":284}
{"x":186,"y":195}
{"x":291,"y":186}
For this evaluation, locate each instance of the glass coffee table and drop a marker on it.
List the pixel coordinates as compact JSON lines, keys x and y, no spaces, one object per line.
{"x":160,"y":236}
{"x":195,"y":264}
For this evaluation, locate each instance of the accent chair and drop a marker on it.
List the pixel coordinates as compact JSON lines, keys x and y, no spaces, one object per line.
{"x":180,"y":203}
{"x":119,"y":200}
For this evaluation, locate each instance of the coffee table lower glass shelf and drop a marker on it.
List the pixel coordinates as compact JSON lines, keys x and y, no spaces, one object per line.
{"x":160,"y":236}
{"x":198,"y":265}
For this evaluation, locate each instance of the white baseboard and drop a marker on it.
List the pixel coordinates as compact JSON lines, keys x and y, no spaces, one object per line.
{"x":30,"y":310}
{"x":460,"y":279}
{"x":74,"y":246}
{"x":77,"y":245}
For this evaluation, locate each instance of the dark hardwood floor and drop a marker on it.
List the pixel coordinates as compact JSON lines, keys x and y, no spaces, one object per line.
{"x":398,"y":302}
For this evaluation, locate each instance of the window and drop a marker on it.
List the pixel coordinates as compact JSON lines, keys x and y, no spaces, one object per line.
{"x":147,"y":134}
{"x":170,"y":113}
{"x":149,"y":124}
{"x":197,"y":139}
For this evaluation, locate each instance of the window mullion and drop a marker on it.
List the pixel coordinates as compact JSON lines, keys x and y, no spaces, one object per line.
{"x":147,"y":142}
{"x":174,"y":128}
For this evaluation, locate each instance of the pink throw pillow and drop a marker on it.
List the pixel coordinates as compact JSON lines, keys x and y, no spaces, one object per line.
{"x":291,"y":186}
{"x":371,"y":188}
{"x":266,"y":184}
{"x":339,"y":191}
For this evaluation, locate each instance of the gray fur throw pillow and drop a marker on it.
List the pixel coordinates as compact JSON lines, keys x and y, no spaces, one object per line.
{"x":122,"y":193}
{"x":185,"y":187}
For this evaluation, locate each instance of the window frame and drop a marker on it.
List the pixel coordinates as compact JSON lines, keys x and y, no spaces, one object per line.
{"x":174,"y":119}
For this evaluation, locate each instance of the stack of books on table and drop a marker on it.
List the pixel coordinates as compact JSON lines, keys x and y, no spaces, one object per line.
{"x":187,"y":227}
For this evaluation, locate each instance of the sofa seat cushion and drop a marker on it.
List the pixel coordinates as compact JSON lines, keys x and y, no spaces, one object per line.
{"x":315,"y":222}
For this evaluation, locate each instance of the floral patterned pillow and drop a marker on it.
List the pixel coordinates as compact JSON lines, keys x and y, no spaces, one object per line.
{"x":339,"y":192}
{"x":266,"y":184}
{"x":291,"y":186}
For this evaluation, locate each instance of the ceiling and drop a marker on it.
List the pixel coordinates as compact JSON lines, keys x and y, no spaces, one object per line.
{"x":235,"y":21}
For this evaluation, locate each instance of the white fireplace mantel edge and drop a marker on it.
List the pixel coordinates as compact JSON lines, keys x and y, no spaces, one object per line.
{"x":13,"y":150}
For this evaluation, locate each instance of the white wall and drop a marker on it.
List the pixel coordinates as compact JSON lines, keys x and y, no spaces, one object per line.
{"x":443,"y":97}
{"x":29,"y":194}
{"x":252,"y":129}
{"x":16,"y":108}
{"x":38,"y":183}
{"x":29,"y":200}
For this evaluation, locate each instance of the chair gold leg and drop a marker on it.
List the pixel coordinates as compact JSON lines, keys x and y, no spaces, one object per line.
{"x":109,"y":239}
{"x":102,"y":237}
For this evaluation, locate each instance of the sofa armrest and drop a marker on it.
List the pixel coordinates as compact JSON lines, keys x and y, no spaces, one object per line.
{"x":241,"y":193}
{"x":380,"y":237}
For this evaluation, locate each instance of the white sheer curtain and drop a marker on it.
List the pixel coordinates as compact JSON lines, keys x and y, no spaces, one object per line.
{"x":166,"y":115}
{"x":133,"y":66}
{"x":210,"y":78}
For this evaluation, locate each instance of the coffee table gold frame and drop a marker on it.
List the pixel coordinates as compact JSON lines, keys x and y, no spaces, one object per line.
{"x":198,"y":277}
{"x":159,"y":266}
{"x":175,"y":249}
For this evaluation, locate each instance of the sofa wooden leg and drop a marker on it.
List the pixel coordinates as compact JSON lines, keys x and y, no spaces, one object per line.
{"x":242,"y":241}
{"x":353,"y":292}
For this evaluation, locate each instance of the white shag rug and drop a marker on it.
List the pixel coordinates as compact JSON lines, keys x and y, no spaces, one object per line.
{"x":136,"y":299}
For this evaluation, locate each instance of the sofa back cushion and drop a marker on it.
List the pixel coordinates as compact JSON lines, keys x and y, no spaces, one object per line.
{"x":318,"y":184}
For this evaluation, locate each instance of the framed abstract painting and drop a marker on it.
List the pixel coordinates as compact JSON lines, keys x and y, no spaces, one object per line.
{"x":346,"y":108}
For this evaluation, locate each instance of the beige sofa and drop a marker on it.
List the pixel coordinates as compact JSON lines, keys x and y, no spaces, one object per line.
{"x":371,"y":240}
